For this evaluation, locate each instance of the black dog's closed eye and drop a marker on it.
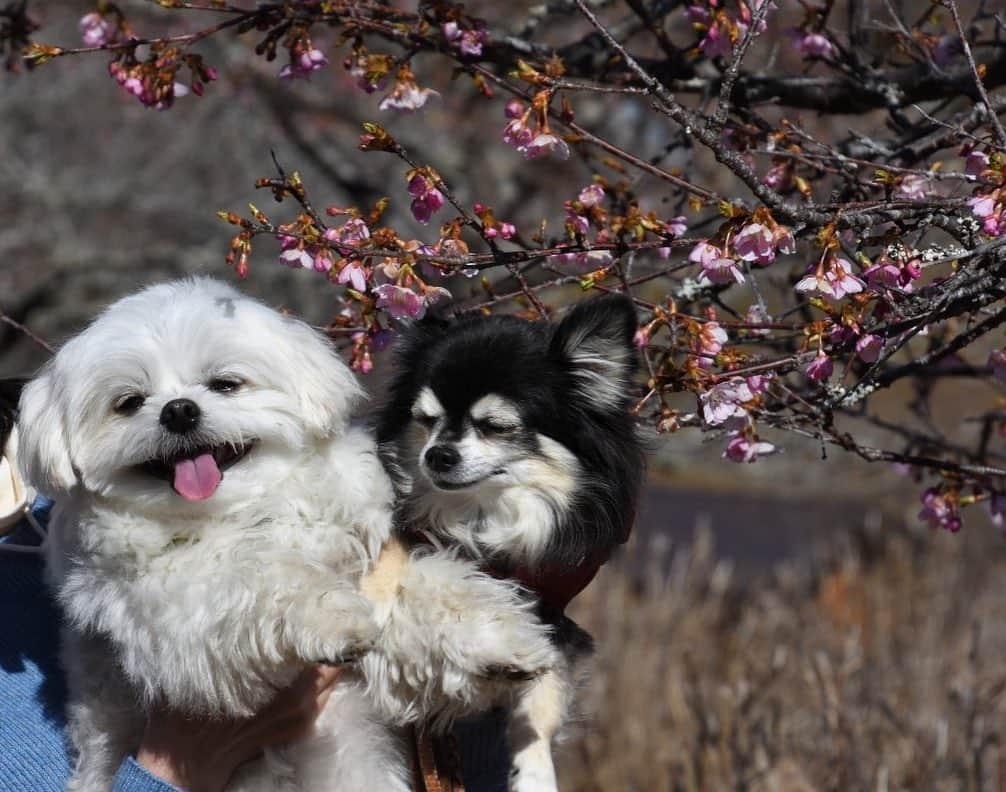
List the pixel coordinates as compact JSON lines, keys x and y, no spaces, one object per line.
{"x":425,"y":420}
{"x":489,"y":427}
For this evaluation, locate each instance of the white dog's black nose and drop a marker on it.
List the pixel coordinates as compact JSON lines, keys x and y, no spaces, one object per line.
{"x":441,"y":458}
{"x":180,"y":416}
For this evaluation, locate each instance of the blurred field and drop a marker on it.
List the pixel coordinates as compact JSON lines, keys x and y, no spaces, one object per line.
{"x":873,"y":663}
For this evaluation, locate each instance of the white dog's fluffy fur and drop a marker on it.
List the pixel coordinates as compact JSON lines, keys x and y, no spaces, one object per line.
{"x":212,"y":605}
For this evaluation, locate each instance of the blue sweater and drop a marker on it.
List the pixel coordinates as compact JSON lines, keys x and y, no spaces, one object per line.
{"x":33,"y":752}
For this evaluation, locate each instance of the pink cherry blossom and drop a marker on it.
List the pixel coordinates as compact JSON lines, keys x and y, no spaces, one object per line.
{"x":724,"y":401}
{"x":997,"y":364}
{"x":991,"y":212}
{"x":363,"y":82}
{"x":982,"y":205}
{"x":711,"y":339}
{"x":939,"y":511}
{"x":820,"y":368}
{"x":778,"y":176}
{"x":883,"y":274}
{"x":427,"y":199}
{"x":302,"y":64}
{"x":351,"y":233}
{"x":869,"y":348}
{"x":472,"y":42}
{"x":758,"y":383}
{"x":833,"y":280}
{"x":716,"y":43}
{"x":756,"y":314}
{"x":741,"y":449}
{"x":977,"y":163}
{"x":842,"y":280}
{"x":716,"y":266}
{"x":407,"y":96}
{"x":297,"y":257}
{"x":514,"y":108}
{"x":576,"y":223}
{"x":698,"y":14}
{"x":817,"y":283}
{"x":720,"y":270}
{"x":400,"y":302}
{"x":322,"y":261}
{"x":518,"y":134}
{"x":97,"y":31}
{"x":997,"y":510}
{"x":591,"y":195}
{"x":784,"y":241}
{"x":546,"y":143}
{"x":362,"y":363}
{"x":353,"y":274}
{"x":815,"y":45}
{"x":703,"y":252}
{"x":586,"y":261}
{"x":755,"y":243}
{"x":677,"y":226}
{"x":913,"y":187}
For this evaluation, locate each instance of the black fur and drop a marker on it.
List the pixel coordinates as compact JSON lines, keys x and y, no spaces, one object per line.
{"x":10,"y":392}
{"x":536,"y":366}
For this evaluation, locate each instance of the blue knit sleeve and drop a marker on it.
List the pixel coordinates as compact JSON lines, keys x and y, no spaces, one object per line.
{"x":482,"y":748}
{"x":133,"y":778}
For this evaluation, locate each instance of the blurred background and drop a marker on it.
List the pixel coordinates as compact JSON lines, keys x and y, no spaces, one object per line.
{"x":788,"y":625}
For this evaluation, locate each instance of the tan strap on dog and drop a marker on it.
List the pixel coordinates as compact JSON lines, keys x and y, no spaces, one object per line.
{"x":435,"y":767}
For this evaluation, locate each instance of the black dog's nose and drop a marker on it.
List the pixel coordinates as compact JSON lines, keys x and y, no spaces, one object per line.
{"x":180,"y":416}
{"x":441,"y":458}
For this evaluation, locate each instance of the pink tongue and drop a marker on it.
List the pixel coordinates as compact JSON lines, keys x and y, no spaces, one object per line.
{"x":197,"y":479}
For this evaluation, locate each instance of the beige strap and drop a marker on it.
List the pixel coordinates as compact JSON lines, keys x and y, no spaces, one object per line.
{"x":14,"y":496}
{"x":436,"y":767}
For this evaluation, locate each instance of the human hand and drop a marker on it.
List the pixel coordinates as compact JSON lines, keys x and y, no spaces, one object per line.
{"x":201,"y":755}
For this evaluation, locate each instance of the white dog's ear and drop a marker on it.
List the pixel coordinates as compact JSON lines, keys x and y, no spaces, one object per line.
{"x":595,"y":341}
{"x":327,"y":389}
{"x":43,"y":453}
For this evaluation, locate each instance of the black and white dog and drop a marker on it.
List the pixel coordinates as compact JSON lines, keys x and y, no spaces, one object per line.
{"x":512,"y":440}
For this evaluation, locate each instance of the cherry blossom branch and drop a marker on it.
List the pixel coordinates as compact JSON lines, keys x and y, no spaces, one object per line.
{"x":20,"y":328}
{"x":1000,"y":132}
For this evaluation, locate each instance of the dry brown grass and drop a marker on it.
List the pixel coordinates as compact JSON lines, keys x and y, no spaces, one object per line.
{"x":880,"y":666}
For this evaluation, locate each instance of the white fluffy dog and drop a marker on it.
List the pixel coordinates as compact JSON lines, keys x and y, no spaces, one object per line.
{"x":218,"y":527}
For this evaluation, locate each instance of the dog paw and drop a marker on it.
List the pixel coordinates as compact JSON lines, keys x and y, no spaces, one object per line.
{"x":532,"y":779}
{"x":519,"y":650}
{"x":347,"y":654}
{"x":335,"y":629}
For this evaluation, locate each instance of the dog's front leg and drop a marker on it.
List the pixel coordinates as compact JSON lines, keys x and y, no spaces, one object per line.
{"x":324,"y":624}
{"x":537,"y":716}
{"x":104,"y":721}
{"x":453,"y":639}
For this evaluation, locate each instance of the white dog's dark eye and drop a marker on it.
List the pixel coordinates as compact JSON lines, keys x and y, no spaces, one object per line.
{"x":425,"y":420}
{"x":224,"y":385}
{"x":129,"y":404}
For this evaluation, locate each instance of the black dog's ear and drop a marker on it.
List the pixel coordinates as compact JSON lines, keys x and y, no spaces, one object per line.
{"x":415,"y":337}
{"x":595,"y":341}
